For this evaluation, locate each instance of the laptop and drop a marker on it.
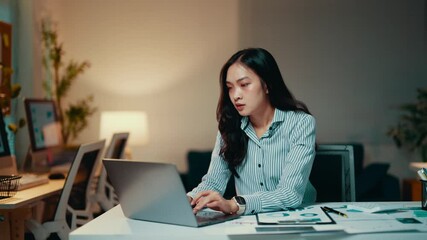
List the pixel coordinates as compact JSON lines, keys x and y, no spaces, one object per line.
{"x":154,"y":192}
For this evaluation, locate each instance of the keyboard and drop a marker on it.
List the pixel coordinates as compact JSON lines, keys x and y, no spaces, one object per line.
{"x":206,"y":217}
{"x":29,"y":180}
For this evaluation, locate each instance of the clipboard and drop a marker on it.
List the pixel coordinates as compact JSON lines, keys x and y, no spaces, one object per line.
{"x":307,"y":215}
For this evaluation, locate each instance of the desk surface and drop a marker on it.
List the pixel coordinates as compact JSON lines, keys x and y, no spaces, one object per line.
{"x":33,"y":194}
{"x":114,"y":225}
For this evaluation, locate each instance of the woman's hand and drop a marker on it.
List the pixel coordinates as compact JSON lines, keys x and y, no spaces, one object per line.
{"x":215,"y":201}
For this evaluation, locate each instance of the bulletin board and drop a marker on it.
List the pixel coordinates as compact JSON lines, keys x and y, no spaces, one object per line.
{"x":5,"y":62}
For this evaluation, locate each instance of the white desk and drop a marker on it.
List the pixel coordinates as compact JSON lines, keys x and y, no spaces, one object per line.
{"x":114,"y":225}
{"x":15,"y":210}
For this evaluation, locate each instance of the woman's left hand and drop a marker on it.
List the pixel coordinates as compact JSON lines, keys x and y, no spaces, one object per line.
{"x":213,"y":200}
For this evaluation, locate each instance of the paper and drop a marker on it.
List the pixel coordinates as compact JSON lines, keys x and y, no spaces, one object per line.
{"x":52,"y":134}
{"x":377,"y":226}
{"x":296,"y":216}
{"x":372,"y":207}
{"x":361,"y":222}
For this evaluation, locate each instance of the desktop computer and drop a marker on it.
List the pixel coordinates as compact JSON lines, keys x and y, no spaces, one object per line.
{"x":8,"y":166}
{"x":47,"y":152}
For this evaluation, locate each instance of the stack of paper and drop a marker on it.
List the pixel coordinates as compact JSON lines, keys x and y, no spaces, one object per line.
{"x":372,"y":207}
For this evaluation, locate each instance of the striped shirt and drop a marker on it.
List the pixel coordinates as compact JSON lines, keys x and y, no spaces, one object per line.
{"x":274,"y":174}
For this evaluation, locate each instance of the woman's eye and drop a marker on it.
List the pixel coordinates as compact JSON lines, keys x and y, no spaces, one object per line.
{"x":245,"y":84}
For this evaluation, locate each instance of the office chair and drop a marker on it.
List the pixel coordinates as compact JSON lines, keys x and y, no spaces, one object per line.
{"x":72,"y":201}
{"x":105,"y":194}
{"x":332,"y":173}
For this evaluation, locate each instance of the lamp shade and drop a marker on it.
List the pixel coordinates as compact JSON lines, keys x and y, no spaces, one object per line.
{"x":134,"y":122}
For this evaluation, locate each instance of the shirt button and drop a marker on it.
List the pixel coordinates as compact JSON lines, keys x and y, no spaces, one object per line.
{"x":259,"y":165}
{"x":262,"y":184}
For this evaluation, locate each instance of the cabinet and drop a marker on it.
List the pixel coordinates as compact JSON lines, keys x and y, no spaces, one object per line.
{"x":411,"y":190}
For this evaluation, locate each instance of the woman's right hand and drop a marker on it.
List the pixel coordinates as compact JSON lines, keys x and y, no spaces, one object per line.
{"x":213,"y":200}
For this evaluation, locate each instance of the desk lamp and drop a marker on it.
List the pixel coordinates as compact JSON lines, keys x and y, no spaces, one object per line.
{"x":134,"y":122}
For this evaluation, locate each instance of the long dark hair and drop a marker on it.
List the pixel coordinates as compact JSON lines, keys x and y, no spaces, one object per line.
{"x":235,"y":141}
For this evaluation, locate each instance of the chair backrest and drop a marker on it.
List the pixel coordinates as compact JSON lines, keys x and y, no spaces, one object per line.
{"x":81,"y":174}
{"x":332,"y":173}
{"x":105,"y":192}
{"x":198,"y":165}
{"x":116,"y":148}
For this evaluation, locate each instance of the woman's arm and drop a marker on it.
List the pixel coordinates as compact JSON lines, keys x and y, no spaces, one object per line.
{"x":218,"y":174}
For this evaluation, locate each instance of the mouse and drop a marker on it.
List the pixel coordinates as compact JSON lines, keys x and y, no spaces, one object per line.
{"x":56,"y":176}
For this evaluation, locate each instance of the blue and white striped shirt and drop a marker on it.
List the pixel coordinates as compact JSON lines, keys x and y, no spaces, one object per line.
{"x":274,"y":174}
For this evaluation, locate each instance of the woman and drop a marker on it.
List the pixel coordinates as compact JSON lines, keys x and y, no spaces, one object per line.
{"x":266,"y":141}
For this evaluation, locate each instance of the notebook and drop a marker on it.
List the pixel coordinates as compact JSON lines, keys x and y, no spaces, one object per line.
{"x":154,"y":192}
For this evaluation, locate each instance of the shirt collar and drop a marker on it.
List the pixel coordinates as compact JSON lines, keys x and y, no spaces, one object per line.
{"x":279,"y":116}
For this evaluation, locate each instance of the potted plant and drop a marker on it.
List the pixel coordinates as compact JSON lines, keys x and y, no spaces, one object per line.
{"x":411,"y":129}
{"x":74,"y":117}
{"x":8,"y":89}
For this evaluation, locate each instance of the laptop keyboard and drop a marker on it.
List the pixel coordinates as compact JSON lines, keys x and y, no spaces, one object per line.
{"x":209,"y":216}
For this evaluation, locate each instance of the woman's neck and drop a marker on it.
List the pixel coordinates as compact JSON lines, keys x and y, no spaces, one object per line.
{"x":262,"y":120}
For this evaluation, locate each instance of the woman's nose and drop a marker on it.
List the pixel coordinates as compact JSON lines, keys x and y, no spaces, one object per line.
{"x":237,"y":95}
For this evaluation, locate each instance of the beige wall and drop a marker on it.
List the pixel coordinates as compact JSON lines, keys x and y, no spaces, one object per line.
{"x":161,"y":57}
{"x":350,"y":61}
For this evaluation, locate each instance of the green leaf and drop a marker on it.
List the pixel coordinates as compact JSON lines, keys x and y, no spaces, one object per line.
{"x":411,"y":128}
{"x":12,"y":127}
{"x":16,"y":90}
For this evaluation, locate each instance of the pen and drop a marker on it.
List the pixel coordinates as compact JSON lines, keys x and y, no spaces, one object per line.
{"x":328,"y":209}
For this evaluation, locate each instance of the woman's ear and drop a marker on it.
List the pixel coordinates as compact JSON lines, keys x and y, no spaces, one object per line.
{"x":265,"y":87}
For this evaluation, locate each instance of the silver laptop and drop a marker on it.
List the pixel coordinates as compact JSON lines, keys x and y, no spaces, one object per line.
{"x":154,"y":192}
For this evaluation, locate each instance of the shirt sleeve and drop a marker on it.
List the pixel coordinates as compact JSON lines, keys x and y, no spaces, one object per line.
{"x":294,"y":179}
{"x":218,"y":174}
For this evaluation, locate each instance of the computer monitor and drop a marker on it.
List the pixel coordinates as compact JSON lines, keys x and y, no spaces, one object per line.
{"x":45,"y":134}
{"x":7,"y":161}
{"x":332,"y":173}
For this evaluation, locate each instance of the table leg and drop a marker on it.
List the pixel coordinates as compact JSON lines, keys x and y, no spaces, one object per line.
{"x":4,"y":225}
{"x":17,"y":219}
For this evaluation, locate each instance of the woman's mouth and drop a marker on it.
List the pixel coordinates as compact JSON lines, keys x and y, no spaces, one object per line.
{"x":240,"y":107}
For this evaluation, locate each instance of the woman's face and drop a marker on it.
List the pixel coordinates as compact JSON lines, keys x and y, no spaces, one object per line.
{"x":246,"y":90}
